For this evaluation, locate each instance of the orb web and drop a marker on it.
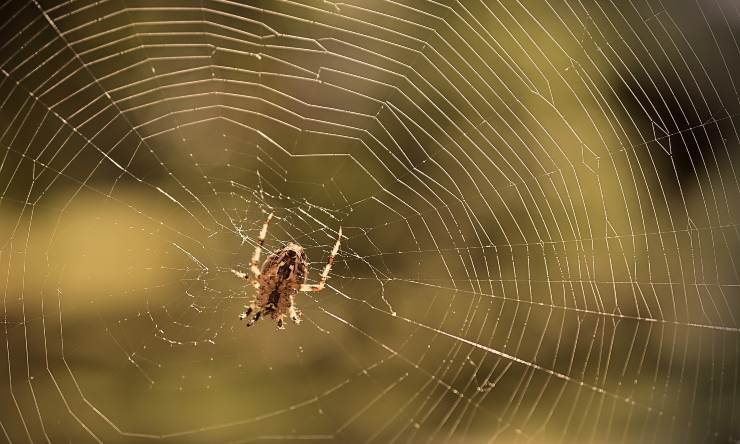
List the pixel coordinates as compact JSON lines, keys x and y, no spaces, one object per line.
{"x":538,"y":201}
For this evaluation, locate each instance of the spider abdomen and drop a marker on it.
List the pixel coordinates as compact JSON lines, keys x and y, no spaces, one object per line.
{"x":282,"y":275}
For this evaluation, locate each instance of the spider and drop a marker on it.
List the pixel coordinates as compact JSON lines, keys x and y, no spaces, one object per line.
{"x":283,"y":275}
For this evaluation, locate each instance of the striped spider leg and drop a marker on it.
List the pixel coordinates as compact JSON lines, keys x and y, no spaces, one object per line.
{"x":253,"y":267}
{"x":327,"y":268}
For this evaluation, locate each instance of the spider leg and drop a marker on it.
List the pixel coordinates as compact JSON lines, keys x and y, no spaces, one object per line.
{"x":255,"y":318}
{"x":249,"y":309}
{"x":293,"y":312}
{"x":327,"y":268}
{"x":243,"y":275}
{"x":257,"y":251}
{"x":280,"y":324}
{"x":240,"y":274}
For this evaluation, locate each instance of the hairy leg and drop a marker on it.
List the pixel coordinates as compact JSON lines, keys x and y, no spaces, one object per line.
{"x":327,"y":268}
{"x":253,"y":265}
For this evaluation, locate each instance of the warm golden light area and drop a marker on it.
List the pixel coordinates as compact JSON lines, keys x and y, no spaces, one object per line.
{"x":538,"y":201}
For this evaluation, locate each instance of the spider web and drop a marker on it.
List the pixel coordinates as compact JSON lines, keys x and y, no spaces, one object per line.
{"x":539,"y":204}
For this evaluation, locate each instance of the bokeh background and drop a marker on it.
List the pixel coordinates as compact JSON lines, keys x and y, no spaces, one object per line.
{"x":539,"y":203}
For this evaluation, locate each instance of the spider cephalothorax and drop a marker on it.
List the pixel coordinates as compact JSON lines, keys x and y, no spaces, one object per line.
{"x":283,"y":275}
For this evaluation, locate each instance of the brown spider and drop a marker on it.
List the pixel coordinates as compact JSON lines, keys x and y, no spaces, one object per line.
{"x":283,"y":275}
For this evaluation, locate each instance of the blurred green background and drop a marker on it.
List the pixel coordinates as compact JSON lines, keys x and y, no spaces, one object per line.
{"x":539,"y":202}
